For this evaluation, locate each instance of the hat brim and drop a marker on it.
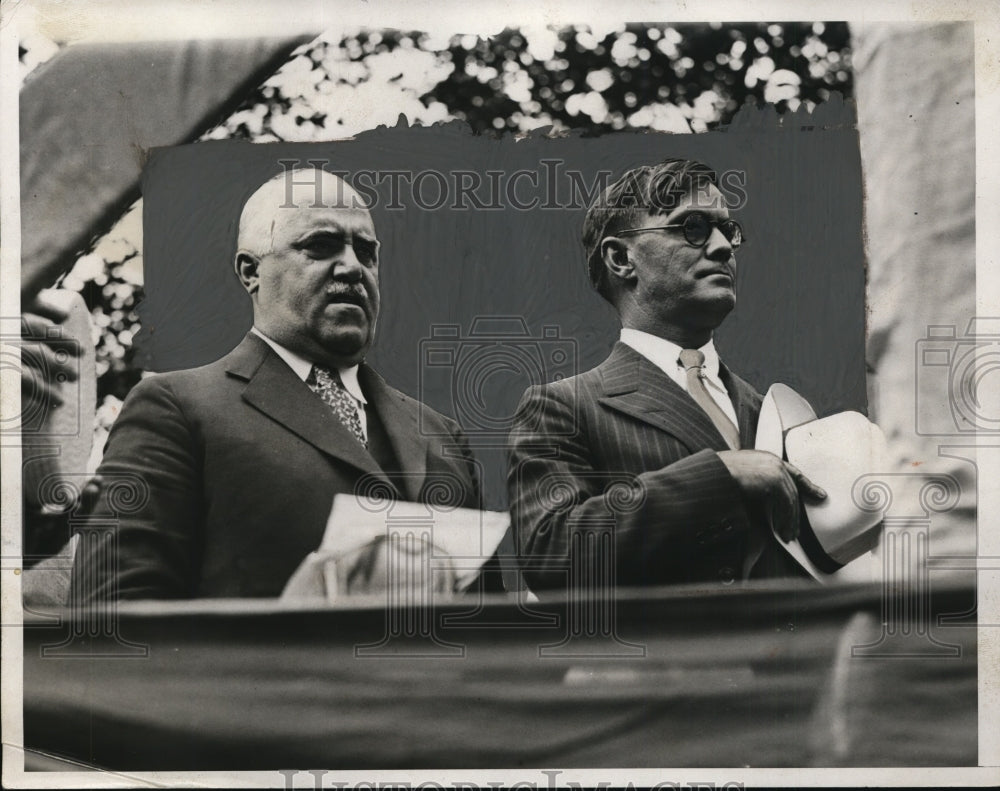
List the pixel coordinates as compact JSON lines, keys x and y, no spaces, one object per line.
{"x":833,"y":452}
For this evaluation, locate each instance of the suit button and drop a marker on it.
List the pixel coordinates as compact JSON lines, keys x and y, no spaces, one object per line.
{"x":727,"y":575}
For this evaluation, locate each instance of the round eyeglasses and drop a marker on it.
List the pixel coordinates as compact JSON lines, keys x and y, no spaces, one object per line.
{"x":697,"y":228}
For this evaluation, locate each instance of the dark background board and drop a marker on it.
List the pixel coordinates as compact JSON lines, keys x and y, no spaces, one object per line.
{"x":800,"y":317}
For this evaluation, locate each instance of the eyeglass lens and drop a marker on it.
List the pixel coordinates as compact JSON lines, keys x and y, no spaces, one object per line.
{"x":698,"y":228}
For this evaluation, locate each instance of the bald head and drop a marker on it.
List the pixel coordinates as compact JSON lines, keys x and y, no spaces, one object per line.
{"x":302,"y":188}
{"x":307,"y":255}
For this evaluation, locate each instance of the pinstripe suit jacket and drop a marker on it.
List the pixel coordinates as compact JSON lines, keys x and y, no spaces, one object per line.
{"x":623,"y":452}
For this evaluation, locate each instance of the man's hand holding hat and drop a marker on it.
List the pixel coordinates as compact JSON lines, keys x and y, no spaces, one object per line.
{"x":774,"y":485}
{"x":835,"y":451}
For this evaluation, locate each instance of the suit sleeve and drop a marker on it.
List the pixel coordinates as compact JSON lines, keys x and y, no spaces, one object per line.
{"x":491,"y":574}
{"x":564,"y":502}
{"x":145,"y":536}
{"x":472,"y":497}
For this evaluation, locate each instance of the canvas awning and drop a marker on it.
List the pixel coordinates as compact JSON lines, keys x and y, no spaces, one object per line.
{"x":89,"y":116}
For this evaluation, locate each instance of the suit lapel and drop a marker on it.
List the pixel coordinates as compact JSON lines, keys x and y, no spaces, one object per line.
{"x":635,"y":386}
{"x":274,"y":389}
{"x":746,"y":401}
{"x":400,"y":419}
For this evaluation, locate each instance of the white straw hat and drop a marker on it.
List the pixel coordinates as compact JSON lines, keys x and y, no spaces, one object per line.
{"x":833,"y":452}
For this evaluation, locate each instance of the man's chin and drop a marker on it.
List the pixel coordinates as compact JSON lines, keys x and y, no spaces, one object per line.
{"x":720,"y":293}
{"x":354,"y":347}
{"x":341,"y":346}
{"x":716,"y":306}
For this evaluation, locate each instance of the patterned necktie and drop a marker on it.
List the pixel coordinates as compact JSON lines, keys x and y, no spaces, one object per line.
{"x":692,"y":360}
{"x":328,"y":386}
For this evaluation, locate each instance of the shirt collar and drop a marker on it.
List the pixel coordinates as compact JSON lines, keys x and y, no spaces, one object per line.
{"x":664,"y":354}
{"x":302,"y":367}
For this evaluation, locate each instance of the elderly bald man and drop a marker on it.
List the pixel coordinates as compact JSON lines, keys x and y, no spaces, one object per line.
{"x":242,"y":457}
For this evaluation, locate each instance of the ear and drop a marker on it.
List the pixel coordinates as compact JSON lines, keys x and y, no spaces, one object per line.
{"x":614,"y":254}
{"x":247,"y":267}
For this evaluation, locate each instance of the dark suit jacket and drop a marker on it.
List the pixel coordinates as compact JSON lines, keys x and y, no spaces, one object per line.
{"x":237,"y":464}
{"x":674,"y":512}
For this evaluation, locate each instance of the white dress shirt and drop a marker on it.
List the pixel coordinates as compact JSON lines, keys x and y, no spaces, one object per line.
{"x":302,"y":368}
{"x":665,"y":355}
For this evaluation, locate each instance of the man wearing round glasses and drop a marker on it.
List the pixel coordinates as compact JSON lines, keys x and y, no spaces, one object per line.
{"x":638,"y":472}
{"x":242,"y":458}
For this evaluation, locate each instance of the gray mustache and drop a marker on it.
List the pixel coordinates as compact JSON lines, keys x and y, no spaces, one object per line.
{"x":352,"y":296}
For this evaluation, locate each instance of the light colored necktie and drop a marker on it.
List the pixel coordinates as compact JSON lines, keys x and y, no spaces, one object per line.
{"x":692,"y":360}
{"x":328,"y":386}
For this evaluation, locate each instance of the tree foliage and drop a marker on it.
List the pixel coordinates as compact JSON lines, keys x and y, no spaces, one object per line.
{"x":679,"y":78}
